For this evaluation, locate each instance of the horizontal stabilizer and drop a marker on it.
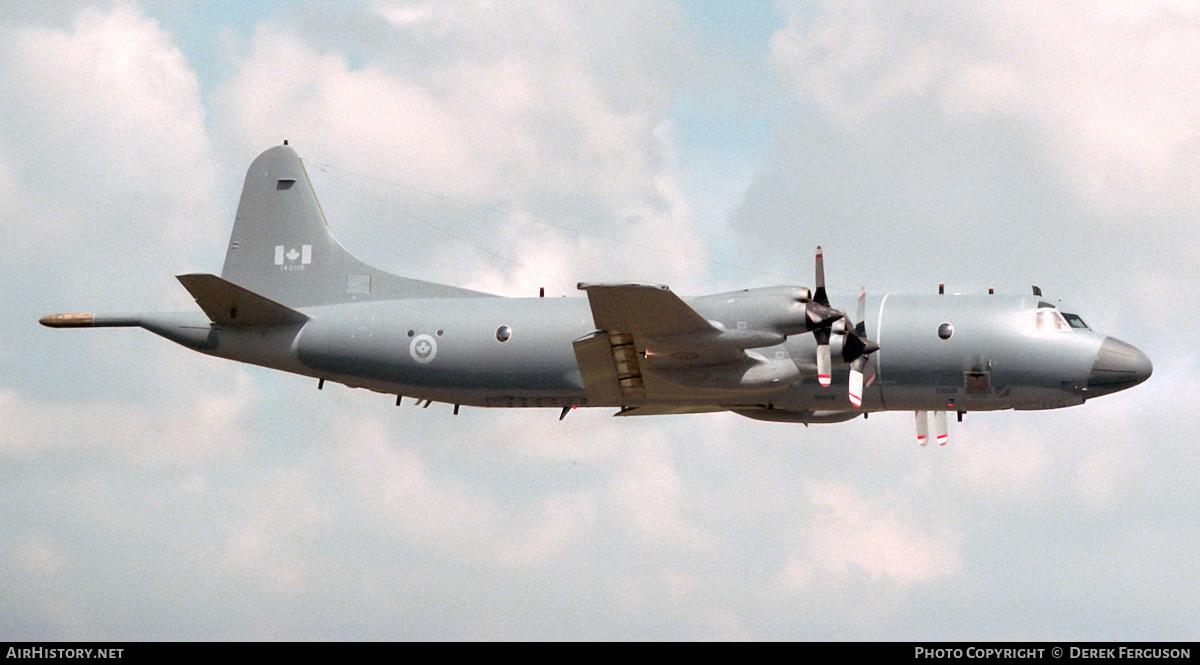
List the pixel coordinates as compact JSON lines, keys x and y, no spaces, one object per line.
{"x":228,"y":304}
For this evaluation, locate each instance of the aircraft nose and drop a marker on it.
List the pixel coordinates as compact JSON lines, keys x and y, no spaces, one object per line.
{"x":1118,"y":366}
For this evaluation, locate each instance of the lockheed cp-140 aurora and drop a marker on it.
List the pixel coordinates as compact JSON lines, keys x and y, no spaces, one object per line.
{"x":290,"y":297}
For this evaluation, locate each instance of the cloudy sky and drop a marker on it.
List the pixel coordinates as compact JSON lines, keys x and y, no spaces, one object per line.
{"x":152,"y":493}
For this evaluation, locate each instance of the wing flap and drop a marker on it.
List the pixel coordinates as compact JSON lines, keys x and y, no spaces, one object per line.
{"x":601,"y":381}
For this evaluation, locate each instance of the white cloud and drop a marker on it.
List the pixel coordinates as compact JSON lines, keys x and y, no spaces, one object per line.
{"x":405,"y":15}
{"x":548,"y":135}
{"x":107,"y":158}
{"x":634,"y":493}
{"x":277,"y":515}
{"x":1109,"y":87}
{"x":119,"y":111}
{"x":193,"y":424}
{"x":561,"y":521}
{"x":649,"y":495}
{"x":395,"y":486}
{"x":1105,"y":474}
{"x":851,"y":534}
{"x":39,"y":557}
{"x":48,"y":592}
{"x":1008,"y":460}
{"x":284,"y":89}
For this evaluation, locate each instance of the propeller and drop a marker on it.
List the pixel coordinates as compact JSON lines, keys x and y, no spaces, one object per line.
{"x":857,"y":351}
{"x":856,"y":348}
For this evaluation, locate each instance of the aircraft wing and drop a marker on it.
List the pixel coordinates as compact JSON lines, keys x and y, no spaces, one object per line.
{"x":650,"y":345}
{"x":651,"y":310}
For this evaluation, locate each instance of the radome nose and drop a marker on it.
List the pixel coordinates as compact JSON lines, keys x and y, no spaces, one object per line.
{"x":1118,"y":366}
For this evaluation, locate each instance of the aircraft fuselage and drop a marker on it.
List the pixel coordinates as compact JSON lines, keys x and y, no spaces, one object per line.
{"x":997,"y":355}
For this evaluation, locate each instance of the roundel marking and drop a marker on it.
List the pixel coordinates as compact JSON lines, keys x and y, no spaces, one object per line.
{"x":422,"y":348}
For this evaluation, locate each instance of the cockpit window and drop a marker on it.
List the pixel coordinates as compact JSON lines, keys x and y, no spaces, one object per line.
{"x":1049,"y":320}
{"x":1075,"y":321}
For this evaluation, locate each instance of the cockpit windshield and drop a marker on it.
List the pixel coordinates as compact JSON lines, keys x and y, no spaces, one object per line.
{"x":1074,"y":320}
{"x":1049,"y":319}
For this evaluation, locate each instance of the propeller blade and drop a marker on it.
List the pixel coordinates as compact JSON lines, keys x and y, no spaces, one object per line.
{"x":939,"y":424}
{"x":856,"y":382}
{"x":860,"y":327}
{"x":922,"y":427}
{"x":819,"y":294}
{"x":824,"y":361}
{"x":869,"y":374}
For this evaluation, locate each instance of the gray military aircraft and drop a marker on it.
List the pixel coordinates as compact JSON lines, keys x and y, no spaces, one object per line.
{"x":290,"y":297}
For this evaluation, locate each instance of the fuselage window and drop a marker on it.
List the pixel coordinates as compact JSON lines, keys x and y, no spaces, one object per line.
{"x":945,"y":331}
{"x":503,"y":333}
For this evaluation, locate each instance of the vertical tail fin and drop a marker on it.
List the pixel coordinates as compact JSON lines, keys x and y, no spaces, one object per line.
{"x":281,"y":247}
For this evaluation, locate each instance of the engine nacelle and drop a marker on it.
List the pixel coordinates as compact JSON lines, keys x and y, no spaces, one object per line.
{"x":787,"y":310}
